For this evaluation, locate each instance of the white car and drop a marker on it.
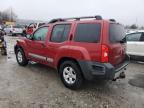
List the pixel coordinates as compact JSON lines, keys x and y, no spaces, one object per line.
{"x":13,"y":30}
{"x":135,"y":45}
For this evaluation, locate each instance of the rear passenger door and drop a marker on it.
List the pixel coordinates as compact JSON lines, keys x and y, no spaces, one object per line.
{"x":58,"y":40}
{"x":135,"y":44}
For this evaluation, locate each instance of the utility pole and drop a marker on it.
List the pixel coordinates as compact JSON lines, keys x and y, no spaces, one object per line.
{"x":11,"y":14}
{"x":137,"y":22}
{"x":0,"y":17}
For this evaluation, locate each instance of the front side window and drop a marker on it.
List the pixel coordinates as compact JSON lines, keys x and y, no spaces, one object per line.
{"x":60,"y":33}
{"x":40,"y":34}
{"x":133,"y":37}
{"x":88,"y":32}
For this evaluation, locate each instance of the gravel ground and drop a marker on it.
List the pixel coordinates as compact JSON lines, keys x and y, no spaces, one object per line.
{"x":38,"y":86}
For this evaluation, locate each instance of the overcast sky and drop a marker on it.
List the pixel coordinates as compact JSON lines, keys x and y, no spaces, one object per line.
{"x":124,"y":11}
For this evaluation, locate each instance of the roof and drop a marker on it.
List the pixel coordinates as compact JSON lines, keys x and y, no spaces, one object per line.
{"x":135,"y":31}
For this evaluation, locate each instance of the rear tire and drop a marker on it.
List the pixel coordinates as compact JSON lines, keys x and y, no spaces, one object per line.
{"x":21,"y":58}
{"x":71,"y":75}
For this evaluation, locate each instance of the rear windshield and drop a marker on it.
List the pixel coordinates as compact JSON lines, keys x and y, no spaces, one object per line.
{"x":88,"y":32}
{"x":117,"y":32}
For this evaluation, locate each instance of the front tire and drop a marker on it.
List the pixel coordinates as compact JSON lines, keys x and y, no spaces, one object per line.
{"x":71,"y":75}
{"x":21,"y":58}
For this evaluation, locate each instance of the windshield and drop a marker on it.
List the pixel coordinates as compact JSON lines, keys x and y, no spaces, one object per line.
{"x":117,"y":32}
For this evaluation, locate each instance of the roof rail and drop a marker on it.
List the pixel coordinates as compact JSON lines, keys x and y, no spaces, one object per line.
{"x":56,"y":20}
{"x":97,"y":17}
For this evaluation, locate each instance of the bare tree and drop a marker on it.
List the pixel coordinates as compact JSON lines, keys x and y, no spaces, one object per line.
{"x":133,"y":26}
{"x":8,"y":15}
{"x":0,"y":17}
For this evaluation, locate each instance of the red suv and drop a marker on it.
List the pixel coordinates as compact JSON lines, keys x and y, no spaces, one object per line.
{"x":79,"y":48}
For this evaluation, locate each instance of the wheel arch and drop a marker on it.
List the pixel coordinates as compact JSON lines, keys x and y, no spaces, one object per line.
{"x":61,"y":60}
{"x":17,"y":47}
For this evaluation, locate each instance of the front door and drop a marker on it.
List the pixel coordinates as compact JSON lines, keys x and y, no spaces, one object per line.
{"x":135,"y":44}
{"x":36,"y":45}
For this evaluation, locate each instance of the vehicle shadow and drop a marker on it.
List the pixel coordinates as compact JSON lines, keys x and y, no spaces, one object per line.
{"x":97,"y":86}
{"x":41,"y":69}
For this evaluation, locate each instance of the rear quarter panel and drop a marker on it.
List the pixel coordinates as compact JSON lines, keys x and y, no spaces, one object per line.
{"x":117,"y":50}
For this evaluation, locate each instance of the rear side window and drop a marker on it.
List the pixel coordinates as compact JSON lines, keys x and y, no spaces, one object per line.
{"x":88,"y":33}
{"x":116,"y":32}
{"x":60,"y":33}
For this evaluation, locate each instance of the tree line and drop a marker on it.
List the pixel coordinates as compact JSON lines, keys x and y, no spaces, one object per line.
{"x":7,"y":15}
{"x":134,"y":26}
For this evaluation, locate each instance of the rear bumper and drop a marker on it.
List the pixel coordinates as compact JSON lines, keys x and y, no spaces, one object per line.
{"x":104,"y":71}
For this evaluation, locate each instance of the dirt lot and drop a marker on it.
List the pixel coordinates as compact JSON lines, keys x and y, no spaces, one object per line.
{"x":38,"y":86}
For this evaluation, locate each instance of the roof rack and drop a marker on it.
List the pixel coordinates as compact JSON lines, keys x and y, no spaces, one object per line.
{"x":97,"y":17}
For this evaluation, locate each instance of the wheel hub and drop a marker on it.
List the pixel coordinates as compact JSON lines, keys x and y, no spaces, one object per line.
{"x":19,"y":56}
{"x":69,"y":75}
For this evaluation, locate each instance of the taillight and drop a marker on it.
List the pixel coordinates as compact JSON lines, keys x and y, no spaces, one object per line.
{"x":105,"y":54}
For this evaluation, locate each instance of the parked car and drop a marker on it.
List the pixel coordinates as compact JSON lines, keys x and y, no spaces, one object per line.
{"x":135,"y":45}
{"x":13,"y":30}
{"x":32,"y":27}
{"x":78,"y":49}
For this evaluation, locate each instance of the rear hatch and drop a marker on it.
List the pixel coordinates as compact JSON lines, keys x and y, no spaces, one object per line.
{"x":117,"y":45}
